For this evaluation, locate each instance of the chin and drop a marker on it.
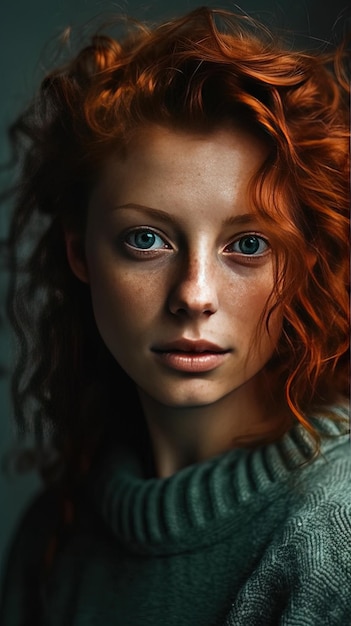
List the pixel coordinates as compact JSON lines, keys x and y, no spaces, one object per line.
{"x":188,"y":398}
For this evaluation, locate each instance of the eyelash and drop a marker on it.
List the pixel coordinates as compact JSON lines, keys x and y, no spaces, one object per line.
{"x":143,"y":231}
{"x":166,"y":246}
{"x":250,"y":236}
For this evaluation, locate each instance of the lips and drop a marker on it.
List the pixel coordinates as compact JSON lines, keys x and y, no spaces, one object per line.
{"x":191,"y":357}
{"x":188,"y":345}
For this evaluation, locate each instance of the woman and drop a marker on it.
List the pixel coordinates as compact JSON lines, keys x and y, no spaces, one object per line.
{"x":182,"y":309}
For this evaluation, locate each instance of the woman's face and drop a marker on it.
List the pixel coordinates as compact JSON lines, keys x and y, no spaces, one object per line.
{"x":179,"y":270}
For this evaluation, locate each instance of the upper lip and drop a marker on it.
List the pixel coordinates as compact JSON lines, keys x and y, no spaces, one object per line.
{"x":188,"y":345}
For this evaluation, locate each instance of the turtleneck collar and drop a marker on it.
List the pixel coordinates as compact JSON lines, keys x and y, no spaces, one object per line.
{"x":204,"y":502}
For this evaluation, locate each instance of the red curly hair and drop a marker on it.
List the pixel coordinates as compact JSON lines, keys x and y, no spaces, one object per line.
{"x":193,"y":73}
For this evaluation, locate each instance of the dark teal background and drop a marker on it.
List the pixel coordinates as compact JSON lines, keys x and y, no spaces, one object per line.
{"x":27,"y":29}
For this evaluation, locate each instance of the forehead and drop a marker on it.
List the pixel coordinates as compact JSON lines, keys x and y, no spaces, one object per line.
{"x":226,"y":138}
{"x":164,"y":156}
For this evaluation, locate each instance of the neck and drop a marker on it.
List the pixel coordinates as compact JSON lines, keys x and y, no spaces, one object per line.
{"x":181,"y":436}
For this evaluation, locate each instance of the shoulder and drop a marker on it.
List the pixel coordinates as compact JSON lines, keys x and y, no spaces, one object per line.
{"x":322,"y":475}
{"x":304,"y":575}
{"x":320,"y":494}
{"x":310,"y":556}
{"x":326,"y":478}
{"x":22,"y":567}
{"x":317,"y":531}
{"x":35,"y":524}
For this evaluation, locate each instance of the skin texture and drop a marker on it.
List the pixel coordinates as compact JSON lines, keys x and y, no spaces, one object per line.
{"x":166,"y":258}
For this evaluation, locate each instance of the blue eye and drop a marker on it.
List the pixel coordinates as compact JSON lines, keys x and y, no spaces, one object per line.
{"x":145,"y":239}
{"x":250,"y":245}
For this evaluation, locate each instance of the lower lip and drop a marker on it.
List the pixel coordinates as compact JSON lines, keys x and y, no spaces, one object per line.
{"x":192,"y":362}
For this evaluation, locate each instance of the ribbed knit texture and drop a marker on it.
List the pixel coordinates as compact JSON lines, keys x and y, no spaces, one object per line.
{"x":248,"y":538}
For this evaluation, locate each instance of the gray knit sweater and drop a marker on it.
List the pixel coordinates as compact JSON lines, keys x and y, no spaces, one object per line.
{"x":248,"y":538}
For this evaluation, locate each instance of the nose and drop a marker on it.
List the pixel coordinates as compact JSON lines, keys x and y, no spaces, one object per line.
{"x":195,"y":290}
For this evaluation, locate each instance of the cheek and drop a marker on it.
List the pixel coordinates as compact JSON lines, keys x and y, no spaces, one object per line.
{"x":248,"y":297}
{"x":252,"y":307}
{"x":123,"y":300}
{"x":266,"y":335}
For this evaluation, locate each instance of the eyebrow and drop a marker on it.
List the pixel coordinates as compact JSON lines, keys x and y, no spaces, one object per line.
{"x":243,"y":218}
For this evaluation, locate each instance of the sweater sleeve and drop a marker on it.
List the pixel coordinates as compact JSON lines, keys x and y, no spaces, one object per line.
{"x":304,"y":578}
{"x":21,"y":572}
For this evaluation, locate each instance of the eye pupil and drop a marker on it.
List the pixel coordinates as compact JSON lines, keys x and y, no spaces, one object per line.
{"x":145,"y":240}
{"x":249,"y":245}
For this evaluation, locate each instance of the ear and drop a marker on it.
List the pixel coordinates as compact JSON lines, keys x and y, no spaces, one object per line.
{"x":75,"y":251}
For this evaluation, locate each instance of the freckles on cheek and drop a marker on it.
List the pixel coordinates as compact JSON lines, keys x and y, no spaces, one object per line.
{"x":249,"y":300}
{"x":125,"y":295}
{"x":249,"y":303}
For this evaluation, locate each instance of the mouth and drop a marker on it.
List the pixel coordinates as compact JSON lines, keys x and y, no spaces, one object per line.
{"x":190,"y":346}
{"x":191,"y":356}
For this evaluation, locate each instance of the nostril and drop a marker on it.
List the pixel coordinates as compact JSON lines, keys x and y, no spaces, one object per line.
{"x":193,"y":310}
